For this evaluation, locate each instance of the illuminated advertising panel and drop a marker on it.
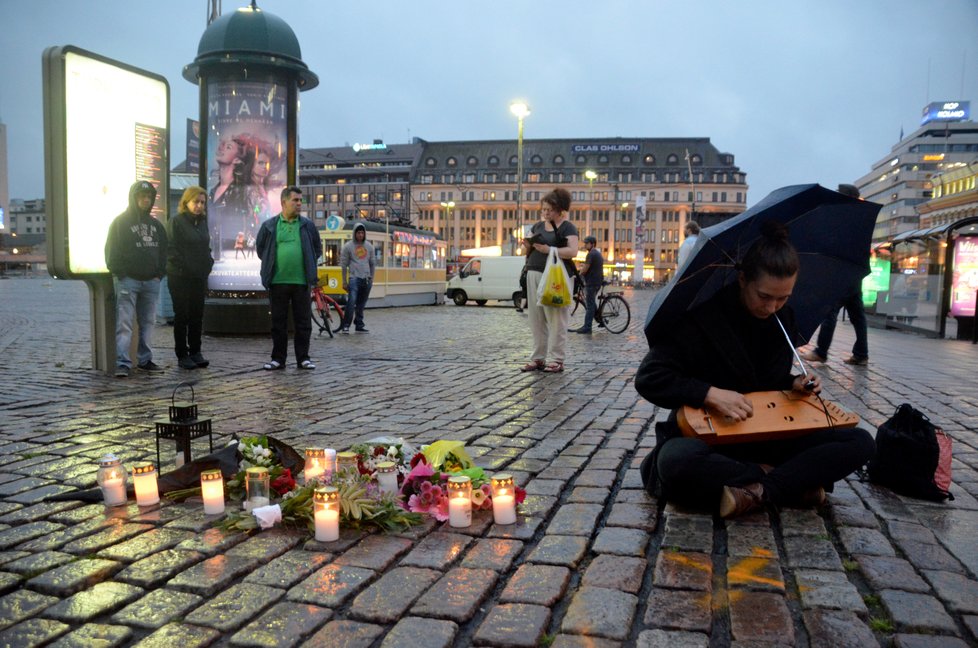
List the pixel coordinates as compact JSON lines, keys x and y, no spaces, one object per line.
{"x":877,"y":281}
{"x":246,"y":160}
{"x":944,"y":111}
{"x":106,"y":126}
{"x":964,"y":280}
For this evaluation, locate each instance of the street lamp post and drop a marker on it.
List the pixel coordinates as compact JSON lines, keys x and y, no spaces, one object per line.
{"x":521,"y":110}
{"x":591,"y":177}
{"x":448,"y":215}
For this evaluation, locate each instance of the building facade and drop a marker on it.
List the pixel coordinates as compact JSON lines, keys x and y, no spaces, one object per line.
{"x":955,"y":197}
{"x":26,"y":217}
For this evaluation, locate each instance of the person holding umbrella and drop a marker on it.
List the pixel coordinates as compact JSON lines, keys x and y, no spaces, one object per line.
{"x":734,"y":343}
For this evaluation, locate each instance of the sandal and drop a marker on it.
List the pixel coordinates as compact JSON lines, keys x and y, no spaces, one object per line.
{"x":273,"y":365}
{"x":555,"y":367}
{"x":533,"y":365}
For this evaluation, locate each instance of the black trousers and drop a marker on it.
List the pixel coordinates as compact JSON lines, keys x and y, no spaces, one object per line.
{"x":282,"y":298}
{"x":694,"y":474}
{"x":187,"y":294}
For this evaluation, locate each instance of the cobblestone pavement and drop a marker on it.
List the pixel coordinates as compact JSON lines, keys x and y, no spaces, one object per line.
{"x":592,"y":561}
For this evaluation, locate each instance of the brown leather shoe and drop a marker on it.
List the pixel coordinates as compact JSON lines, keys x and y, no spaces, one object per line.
{"x":813,"y":356}
{"x":739,"y":500}
{"x":812,"y":497}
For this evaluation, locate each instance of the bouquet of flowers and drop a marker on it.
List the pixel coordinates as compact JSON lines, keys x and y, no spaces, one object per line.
{"x":375,"y":451}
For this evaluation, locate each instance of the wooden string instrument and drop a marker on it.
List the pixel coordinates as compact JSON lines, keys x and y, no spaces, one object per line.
{"x":777,"y":415}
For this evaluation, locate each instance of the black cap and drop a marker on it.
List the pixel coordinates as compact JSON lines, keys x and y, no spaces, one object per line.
{"x":590,"y":239}
{"x":849,"y":190}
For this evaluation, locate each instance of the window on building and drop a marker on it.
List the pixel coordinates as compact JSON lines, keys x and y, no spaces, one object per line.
{"x":580,"y":159}
{"x":451,"y":162}
{"x":513,"y":160}
{"x":493,"y":161}
{"x":602,"y":159}
{"x":558,"y":160}
{"x":472,"y":161}
{"x":430,"y":162}
{"x":536,"y":160}
{"x":648,"y":159}
{"x":672,"y":159}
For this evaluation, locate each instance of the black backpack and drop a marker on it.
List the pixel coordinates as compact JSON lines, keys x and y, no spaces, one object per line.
{"x":909,"y":458}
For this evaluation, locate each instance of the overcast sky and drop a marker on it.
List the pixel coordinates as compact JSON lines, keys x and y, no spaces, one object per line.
{"x":799,"y":90}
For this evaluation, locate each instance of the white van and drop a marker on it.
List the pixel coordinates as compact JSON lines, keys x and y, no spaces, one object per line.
{"x":485,"y":278}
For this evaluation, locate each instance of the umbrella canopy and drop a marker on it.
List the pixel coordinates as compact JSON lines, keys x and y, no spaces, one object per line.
{"x":831,"y":232}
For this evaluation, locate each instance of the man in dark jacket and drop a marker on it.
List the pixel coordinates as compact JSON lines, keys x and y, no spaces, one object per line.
{"x":289,"y":247}
{"x":135,"y":253}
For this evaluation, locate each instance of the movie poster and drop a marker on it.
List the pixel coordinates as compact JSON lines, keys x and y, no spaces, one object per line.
{"x":638,"y":273}
{"x":964,"y":277}
{"x":246,"y":172}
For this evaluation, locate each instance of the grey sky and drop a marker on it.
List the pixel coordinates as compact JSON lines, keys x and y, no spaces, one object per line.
{"x":799,"y":91}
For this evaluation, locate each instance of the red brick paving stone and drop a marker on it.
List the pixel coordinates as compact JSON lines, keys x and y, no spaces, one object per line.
{"x":346,"y":634}
{"x":94,"y":635}
{"x":182,"y":635}
{"x":437,"y":551}
{"x":386,"y":600}
{"x":927,"y":641}
{"x":758,"y":574}
{"x":331,"y":585}
{"x":32,"y":632}
{"x":513,"y":626}
{"x":683,"y":570}
{"x":621,"y":541}
{"x":579,"y":641}
{"x":18,"y":534}
{"x":457,"y":595}
{"x":837,"y":629}
{"x":99,"y":599}
{"x":155,"y":570}
{"x":74,"y":576}
{"x":375,"y":552}
{"x":559,"y":550}
{"x":882,"y":572}
{"x":672,"y":639}
{"x":538,"y":584}
{"x":959,"y":592}
{"x":497,"y":555}
{"x":596,"y":611}
{"x":636,"y":516}
{"x":575,"y":520}
{"x":288,"y":569}
{"x":616,"y":572}
{"x":234,"y":607}
{"x":412,"y":632}
{"x":911,"y":611}
{"x":144,"y":545}
{"x":212,"y":575}
{"x":284,"y":625}
{"x":759,"y":616}
{"x":679,"y":610}
{"x":157,"y":608}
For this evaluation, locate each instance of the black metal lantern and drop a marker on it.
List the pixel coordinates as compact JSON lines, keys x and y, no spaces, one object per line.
{"x":183,"y":425}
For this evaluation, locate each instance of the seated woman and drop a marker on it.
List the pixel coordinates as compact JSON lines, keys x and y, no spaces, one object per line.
{"x":731,"y":345}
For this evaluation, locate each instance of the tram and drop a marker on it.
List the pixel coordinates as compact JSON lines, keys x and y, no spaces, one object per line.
{"x":410,"y":263}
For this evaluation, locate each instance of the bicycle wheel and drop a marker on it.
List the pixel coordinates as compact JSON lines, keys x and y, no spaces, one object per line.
{"x":615,"y":314}
{"x":339,"y":317}
{"x":320,"y":316}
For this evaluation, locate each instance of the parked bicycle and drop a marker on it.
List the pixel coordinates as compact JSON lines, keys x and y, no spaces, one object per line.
{"x":612,"y":313}
{"x":323,"y":307}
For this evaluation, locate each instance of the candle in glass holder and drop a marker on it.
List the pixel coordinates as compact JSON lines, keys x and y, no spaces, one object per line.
{"x":346,"y":461}
{"x":459,"y":501}
{"x":111,"y":478}
{"x":315,"y":466}
{"x":212,"y":489}
{"x":387,"y":476}
{"x":257,"y":486}
{"x":330,"y":463}
{"x":326,"y":513}
{"x":503,"y":499}
{"x":144,"y":481}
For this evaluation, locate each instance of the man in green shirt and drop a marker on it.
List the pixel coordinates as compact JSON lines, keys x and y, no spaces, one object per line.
{"x":289,"y":247}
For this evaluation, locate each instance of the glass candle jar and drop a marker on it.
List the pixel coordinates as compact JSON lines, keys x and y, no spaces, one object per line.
{"x":144,"y":482}
{"x":387,"y":476}
{"x":212,"y":490}
{"x":326,"y":513}
{"x":257,"y":486}
{"x":345,"y":461}
{"x":503,"y":499}
{"x":112,"y":478}
{"x":315,"y":466}
{"x":330,"y":462}
{"x":459,"y":501}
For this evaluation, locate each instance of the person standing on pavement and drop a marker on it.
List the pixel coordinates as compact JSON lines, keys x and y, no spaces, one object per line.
{"x":592,"y":271}
{"x":853,"y":303}
{"x":358,"y":266}
{"x":289,"y":248}
{"x":692,"y":232}
{"x":188,"y":263}
{"x":135,"y":254}
{"x":548,"y":323}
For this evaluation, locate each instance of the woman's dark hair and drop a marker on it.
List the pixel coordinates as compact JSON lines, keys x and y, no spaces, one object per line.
{"x":559,"y":199}
{"x":771,"y":254}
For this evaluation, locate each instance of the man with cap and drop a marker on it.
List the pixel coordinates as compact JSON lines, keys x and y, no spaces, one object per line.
{"x":592,"y":271}
{"x":135,"y":253}
{"x":358,"y":265}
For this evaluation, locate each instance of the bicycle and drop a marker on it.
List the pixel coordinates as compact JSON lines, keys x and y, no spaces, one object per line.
{"x":321,"y":304}
{"x":612,"y":310}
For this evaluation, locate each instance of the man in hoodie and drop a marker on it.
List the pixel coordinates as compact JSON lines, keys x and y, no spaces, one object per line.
{"x":289,"y":247}
{"x":135,"y":253}
{"x":357,"y":263}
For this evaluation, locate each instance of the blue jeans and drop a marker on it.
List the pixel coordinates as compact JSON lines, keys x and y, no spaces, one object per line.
{"x":591,"y":305}
{"x":356,"y":300}
{"x":857,"y":315}
{"x":134,"y":297}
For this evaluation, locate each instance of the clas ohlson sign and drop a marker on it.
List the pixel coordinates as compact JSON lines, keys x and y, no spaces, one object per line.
{"x":606,"y":148}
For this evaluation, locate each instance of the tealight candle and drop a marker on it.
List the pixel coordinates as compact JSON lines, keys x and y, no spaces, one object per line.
{"x":387,"y":476}
{"x":144,"y":481}
{"x":111,"y":478}
{"x":315,"y":466}
{"x":459,"y":501}
{"x":257,"y":486}
{"x":212,"y":489}
{"x":326,"y":513}
{"x":503,"y":499}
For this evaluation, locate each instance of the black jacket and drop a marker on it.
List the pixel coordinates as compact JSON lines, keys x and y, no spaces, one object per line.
{"x":136,"y":244}
{"x":188,"y":247}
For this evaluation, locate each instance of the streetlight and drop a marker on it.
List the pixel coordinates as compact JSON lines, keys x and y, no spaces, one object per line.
{"x":591,"y":177}
{"x":624,"y":206}
{"x":448,"y":214}
{"x":521,"y":110}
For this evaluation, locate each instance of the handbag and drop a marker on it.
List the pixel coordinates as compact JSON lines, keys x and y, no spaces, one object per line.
{"x":913,"y":456}
{"x":554,"y":288}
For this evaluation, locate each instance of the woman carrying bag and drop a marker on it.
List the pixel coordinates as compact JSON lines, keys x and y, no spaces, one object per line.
{"x":549,"y":323}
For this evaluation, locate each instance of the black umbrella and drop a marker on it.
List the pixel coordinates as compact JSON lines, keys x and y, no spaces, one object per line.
{"x":831,"y":232}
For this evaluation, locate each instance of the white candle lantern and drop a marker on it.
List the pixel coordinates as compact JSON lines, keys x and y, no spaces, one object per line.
{"x":111,"y":478}
{"x":257,"y":487}
{"x":330,"y":462}
{"x":315,"y":466}
{"x":387,"y":476}
{"x":459,"y":501}
{"x":346,"y":461}
{"x":144,"y":482}
{"x":503,"y":499}
{"x":212,"y":490}
{"x":326,"y":513}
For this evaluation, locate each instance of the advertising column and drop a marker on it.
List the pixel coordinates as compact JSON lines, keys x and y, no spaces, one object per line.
{"x":639,"y":238}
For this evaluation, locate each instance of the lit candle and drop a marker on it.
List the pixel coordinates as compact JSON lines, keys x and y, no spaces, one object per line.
{"x":212,"y":489}
{"x":387,"y":476}
{"x":459,"y":501}
{"x":330,"y":463}
{"x":111,"y":478}
{"x":326,"y":513}
{"x":257,"y":486}
{"x":144,"y":481}
{"x":503,"y":499}
{"x":315,"y":465}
